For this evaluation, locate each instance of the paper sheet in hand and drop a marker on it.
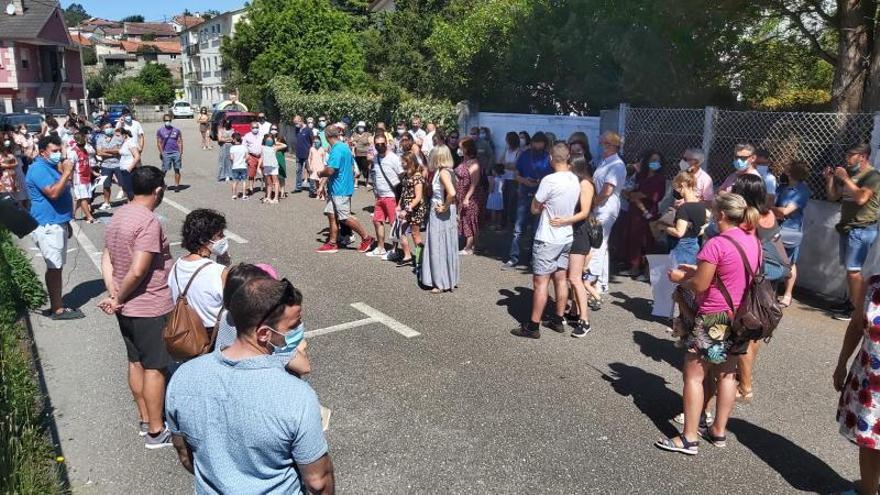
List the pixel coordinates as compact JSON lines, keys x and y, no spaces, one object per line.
{"x":661,"y":287}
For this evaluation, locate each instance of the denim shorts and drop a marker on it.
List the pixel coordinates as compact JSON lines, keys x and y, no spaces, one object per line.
{"x":239,"y":174}
{"x":171,"y":160}
{"x":685,"y":250}
{"x":855,"y":245}
{"x":793,"y":252}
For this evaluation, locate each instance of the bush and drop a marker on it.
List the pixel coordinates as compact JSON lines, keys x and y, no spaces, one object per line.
{"x":391,"y":107}
{"x":26,"y":456}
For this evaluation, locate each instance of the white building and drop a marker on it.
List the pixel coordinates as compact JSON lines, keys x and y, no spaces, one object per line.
{"x":203,"y":78}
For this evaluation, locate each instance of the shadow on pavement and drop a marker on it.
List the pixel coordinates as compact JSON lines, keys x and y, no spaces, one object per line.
{"x":659,"y":349}
{"x":801,"y":469}
{"x":649,"y":393}
{"x":639,"y":307}
{"x":83,"y":293}
{"x":517,"y":301}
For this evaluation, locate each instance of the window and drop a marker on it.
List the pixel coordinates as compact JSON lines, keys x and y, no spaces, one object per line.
{"x":173,"y":56}
{"x":25,"y":63}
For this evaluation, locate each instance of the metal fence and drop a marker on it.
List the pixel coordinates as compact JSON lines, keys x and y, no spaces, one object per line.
{"x":820,"y":139}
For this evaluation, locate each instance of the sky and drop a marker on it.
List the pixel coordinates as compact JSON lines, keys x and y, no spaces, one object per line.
{"x":152,"y":10}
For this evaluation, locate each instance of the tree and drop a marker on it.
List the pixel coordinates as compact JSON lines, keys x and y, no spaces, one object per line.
{"x":158,"y":80}
{"x":89,"y":56}
{"x":74,"y":14}
{"x":133,"y":18}
{"x":98,"y":83}
{"x":307,"y":39}
{"x":208,"y":14}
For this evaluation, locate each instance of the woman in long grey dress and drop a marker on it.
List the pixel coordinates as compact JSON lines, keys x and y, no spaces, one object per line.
{"x":440,"y":265}
{"x":224,"y":163}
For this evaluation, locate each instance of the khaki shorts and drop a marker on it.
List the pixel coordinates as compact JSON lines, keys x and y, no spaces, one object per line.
{"x":340,"y":206}
{"x":52,"y":241}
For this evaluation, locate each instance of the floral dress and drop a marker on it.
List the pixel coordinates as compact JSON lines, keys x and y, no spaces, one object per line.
{"x":858,"y":410}
{"x":468,"y":217}
{"x":408,"y":193}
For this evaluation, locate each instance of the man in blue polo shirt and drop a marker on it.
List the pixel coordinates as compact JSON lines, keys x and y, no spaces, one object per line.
{"x":339,"y":184}
{"x":304,"y":139}
{"x":52,"y":206}
{"x":531,"y":167}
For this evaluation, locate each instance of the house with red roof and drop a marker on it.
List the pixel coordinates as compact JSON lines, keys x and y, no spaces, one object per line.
{"x":40,"y":64}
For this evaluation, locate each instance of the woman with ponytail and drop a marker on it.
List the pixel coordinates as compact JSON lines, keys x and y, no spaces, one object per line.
{"x":707,"y":342}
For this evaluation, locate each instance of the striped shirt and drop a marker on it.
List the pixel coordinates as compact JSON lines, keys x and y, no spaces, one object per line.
{"x":136,"y":228}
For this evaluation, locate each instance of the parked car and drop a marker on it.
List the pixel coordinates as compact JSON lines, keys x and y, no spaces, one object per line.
{"x":114,"y":112}
{"x":10,"y":121}
{"x":181,"y":109}
{"x":241,"y":121}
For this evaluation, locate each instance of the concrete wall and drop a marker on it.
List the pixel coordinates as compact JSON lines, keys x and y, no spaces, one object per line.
{"x":501,"y":123}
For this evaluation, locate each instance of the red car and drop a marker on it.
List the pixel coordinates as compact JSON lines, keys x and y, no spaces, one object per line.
{"x":241,"y":122}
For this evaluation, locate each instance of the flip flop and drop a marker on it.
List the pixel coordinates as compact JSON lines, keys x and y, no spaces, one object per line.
{"x":67,"y":314}
{"x":783,"y":304}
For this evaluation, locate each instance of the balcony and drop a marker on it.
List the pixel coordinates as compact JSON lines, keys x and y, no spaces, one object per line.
{"x":192,"y":50}
{"x":193,"y":76}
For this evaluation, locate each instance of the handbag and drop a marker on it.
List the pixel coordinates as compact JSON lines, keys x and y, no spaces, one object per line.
{"x":791,"y":237}
{"x":185,"y":335}
{"x":595,"y":233}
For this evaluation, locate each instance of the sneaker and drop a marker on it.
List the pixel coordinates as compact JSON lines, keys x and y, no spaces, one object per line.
{"x":327,"y":248}
{"x":67,"y":314}
{"x":161,"y":441}
{"x":143,"y":428}
{"x":842,"y":315}
{"x":643,"y":278}
{"x":508,"y":265}
{"x":393,"y":255}
{"x":366,"y":245}
{"x":245,"y":197}
{"x":105,"y":207}
{"x":581,"y":329}
{"x":528,"y":330}
{"x":595,"y":304}
{"x":120,"y":194}
{"x":377,"y":253}
{"x":555,"y":323}
{"x":571,"y":318}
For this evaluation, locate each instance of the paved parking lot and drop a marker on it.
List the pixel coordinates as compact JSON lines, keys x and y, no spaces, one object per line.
{"x":430,"y":394}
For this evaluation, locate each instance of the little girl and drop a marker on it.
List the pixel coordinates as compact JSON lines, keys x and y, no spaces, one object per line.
{"x":495,"y":201}
{"x":317,"y":156}
{"x":82,"y":177}
{"x":269,"y":163}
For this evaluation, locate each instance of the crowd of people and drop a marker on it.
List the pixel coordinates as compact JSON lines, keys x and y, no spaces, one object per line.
{"x":578,"y":218}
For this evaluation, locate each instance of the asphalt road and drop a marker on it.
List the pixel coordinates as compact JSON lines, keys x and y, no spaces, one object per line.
{"x":464,"y":406}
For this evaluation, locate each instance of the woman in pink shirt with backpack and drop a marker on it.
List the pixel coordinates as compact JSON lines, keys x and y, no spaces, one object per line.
{"x":717,"y":285}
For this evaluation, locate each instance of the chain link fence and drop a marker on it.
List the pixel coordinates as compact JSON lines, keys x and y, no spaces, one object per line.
{"x":820,"y":139}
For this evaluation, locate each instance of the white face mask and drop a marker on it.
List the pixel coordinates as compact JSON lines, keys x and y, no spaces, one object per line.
{"x":684,"y":165}
{"x":460,"y":152}
{"x":219,"y":248}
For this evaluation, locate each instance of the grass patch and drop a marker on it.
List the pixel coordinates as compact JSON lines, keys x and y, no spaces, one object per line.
{"x":27,"y":457}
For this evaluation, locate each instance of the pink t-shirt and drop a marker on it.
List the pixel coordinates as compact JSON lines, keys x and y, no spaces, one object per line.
{"x":728,"y":265}
{"x":727,"y":185}
{"x":704,"y":186}
{"x":136,"y":228}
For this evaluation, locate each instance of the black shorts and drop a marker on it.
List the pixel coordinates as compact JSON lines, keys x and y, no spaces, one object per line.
{"x":580,"y":244}
{"x":143,"y":340}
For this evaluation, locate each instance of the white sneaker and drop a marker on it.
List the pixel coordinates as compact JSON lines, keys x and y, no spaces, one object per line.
{"x":105,"y":207}
{"x":120,"y":195}
{"x":377,"y":253}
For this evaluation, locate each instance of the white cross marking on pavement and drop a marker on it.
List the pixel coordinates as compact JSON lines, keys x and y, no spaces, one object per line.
{"x":373,"y":316}
{"x":231,"y":235}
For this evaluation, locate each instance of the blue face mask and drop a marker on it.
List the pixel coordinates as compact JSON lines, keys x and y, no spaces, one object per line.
{"x":55,"y":158}
{"x":128,"y":119}
{"x":740,"y":164}
{"x":108,"y":131}
{"x":291,"y":340}
{"x":269,"y":142}
{"x":654,"y":166}
{"x":317,"y":145}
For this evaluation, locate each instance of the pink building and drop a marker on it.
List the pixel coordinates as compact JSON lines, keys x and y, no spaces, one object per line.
{"x":39,"y":62}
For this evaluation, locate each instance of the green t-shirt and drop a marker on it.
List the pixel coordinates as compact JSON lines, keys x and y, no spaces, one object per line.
{"x":851,"y":214}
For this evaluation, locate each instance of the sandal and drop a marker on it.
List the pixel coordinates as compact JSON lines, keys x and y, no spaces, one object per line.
{"x":718,"y":441}
{"x":687,"y":447}
{"x":744,"y":395}
{"x":67,"y":314}
{"x":782,"y":302}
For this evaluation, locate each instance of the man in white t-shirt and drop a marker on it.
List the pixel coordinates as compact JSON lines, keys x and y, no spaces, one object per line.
{"x":384,"y":177}
{"x":557,"y":197}
{"x":762,"y":165}
{"x":428,"y":142}
{"x":131,"y":125}
{"x":608,"y":180}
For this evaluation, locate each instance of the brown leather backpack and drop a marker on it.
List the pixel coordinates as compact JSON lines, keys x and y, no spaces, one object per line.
{"x":758,"y":313}
{"x":185,"y":335}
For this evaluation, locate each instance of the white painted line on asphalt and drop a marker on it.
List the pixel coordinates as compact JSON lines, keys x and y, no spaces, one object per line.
{"x":231,"y":235}
{"x":88,"y":246}
{"x":386,"y":320}
{"x":341,"y":326}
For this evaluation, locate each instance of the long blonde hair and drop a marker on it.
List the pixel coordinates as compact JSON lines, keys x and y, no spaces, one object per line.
{"x":440,"y":157}
{"x":737,"y":211}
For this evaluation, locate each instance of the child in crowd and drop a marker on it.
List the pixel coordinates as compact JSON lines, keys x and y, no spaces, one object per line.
{"x":82,"y":177}
{"x":7,"y":179}
{"x":495,"y":201}
{"x":269,"y":164}
{"x":317,"y":158}
{"x":238,"y":156}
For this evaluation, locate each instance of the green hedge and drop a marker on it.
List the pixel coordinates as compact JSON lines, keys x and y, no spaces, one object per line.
{"x":391,"y":106}
{"x":27,"y":458}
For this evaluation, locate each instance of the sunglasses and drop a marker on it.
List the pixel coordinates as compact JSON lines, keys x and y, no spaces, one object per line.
{"x":288,"y":297}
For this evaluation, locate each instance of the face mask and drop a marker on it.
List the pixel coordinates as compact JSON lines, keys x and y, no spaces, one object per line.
{"x":7,"y":143}
{"x":255,"y":130}
{"x":291,"y":340}
{"x":853,"y":170}
{"x":317,"y":145}
{"x":273,"y":132}
{"x":522,"y":142}
{"x":269,"y":142}
{"x":55,"y":157}
{"x":168,"y":123}
{"x":381,"y":148}
{"x":677,"y":195}
{"x":219,"y":248}
{"x":484,"y":136}
{"x":24,"y":132}
{"x":322,"y":124}
{"x":361,"y":129}
{"x":684,"y":166}
{"x":400,"y":132}
{"x":108,"y":131}
{"x":739,"y":164}
{"x":128,"y":120}
{"x":460,"y":153}
{"x":654,"y":166}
